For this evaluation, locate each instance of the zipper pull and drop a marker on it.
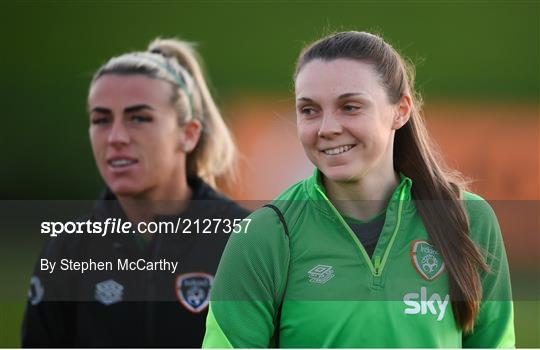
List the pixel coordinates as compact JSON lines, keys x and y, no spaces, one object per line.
{"x":377,"y":264}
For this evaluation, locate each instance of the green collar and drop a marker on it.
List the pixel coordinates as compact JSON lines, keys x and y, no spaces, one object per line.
{"x":316,"y":191}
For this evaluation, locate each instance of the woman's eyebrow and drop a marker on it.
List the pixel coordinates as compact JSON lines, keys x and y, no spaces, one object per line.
{"x":101,"y":110}
{"x":351,"y":94}
{"x":129,"y":109}
{"x":137,"y":108}
{"x":340,"y":97}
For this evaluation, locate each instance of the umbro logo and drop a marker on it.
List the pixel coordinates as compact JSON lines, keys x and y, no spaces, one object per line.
{"x":109,"y":292}
{"x":321,"y":274}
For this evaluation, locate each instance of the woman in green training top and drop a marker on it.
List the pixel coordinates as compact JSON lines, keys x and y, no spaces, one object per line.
{"x":382,"y":246}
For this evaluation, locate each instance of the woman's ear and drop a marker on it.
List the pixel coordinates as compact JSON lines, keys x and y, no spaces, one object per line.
{"x":402,"y":112}
{"x":191,"y":134}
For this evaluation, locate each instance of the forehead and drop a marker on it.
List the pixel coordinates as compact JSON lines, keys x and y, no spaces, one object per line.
{"x":322,"y":79}
{"x":124,"y":90}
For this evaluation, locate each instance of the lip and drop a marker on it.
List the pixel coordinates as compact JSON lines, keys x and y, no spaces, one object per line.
{"x":120,"y":156}
{"x":117,"y":169}
{"x":322,"y":150}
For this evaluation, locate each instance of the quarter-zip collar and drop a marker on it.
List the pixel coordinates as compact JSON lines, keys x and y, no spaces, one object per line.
{"x":398,"y":203}
{"x":316,"y":191}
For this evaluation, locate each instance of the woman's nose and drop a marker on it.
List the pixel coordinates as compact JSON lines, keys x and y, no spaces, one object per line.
{"x":118,"y":135}
{"x":330,"y":126}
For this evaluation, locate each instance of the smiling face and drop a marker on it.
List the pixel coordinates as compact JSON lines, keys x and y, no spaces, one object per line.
{"x":345,"y":120}
{"x":135,"y":135}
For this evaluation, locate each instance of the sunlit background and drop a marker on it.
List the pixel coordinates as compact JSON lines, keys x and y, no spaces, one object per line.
{"x":477,"y":68}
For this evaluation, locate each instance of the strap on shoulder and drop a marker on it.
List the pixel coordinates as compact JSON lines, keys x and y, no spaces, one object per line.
{"x":280,"y":216}
{"x":280,"y":307}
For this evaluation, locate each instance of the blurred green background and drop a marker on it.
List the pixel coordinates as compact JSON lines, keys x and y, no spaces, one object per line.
{"x":465,"y":52}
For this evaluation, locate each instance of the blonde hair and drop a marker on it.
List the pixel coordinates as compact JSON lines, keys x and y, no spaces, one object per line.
{"x":177,"y":62}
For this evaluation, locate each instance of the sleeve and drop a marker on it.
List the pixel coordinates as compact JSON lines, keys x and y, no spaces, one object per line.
{"x":494,"y":326}
{"x":249,"y":285}
{"x":48,"y":317}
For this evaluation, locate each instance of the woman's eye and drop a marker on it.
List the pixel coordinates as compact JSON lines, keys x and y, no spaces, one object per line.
{"x":100,"y":120}
{"x":141,"y":119}
{"x":308,"y":111}
{"x":351,"y":108}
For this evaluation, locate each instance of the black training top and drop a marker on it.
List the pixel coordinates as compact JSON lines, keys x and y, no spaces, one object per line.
{"x":135,"y":292}
{"x":368,"y":232}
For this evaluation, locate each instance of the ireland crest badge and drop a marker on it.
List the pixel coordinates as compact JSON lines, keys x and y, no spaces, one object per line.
{"x":193,"y":290}
{"x":427,"y":260}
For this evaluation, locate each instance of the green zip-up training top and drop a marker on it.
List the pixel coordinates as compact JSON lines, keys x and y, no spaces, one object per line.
{"x":317,"y":286}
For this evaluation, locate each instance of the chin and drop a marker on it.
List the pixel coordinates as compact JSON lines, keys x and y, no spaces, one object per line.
{"x":125,"y":189}
{"x":336,"y":174}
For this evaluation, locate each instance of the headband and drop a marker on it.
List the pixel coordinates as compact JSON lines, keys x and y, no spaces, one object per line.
{"x":178,"y":78}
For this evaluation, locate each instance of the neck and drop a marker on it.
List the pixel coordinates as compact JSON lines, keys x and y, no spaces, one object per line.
{"x":164,"y":201}
{"x":363,"y":198}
